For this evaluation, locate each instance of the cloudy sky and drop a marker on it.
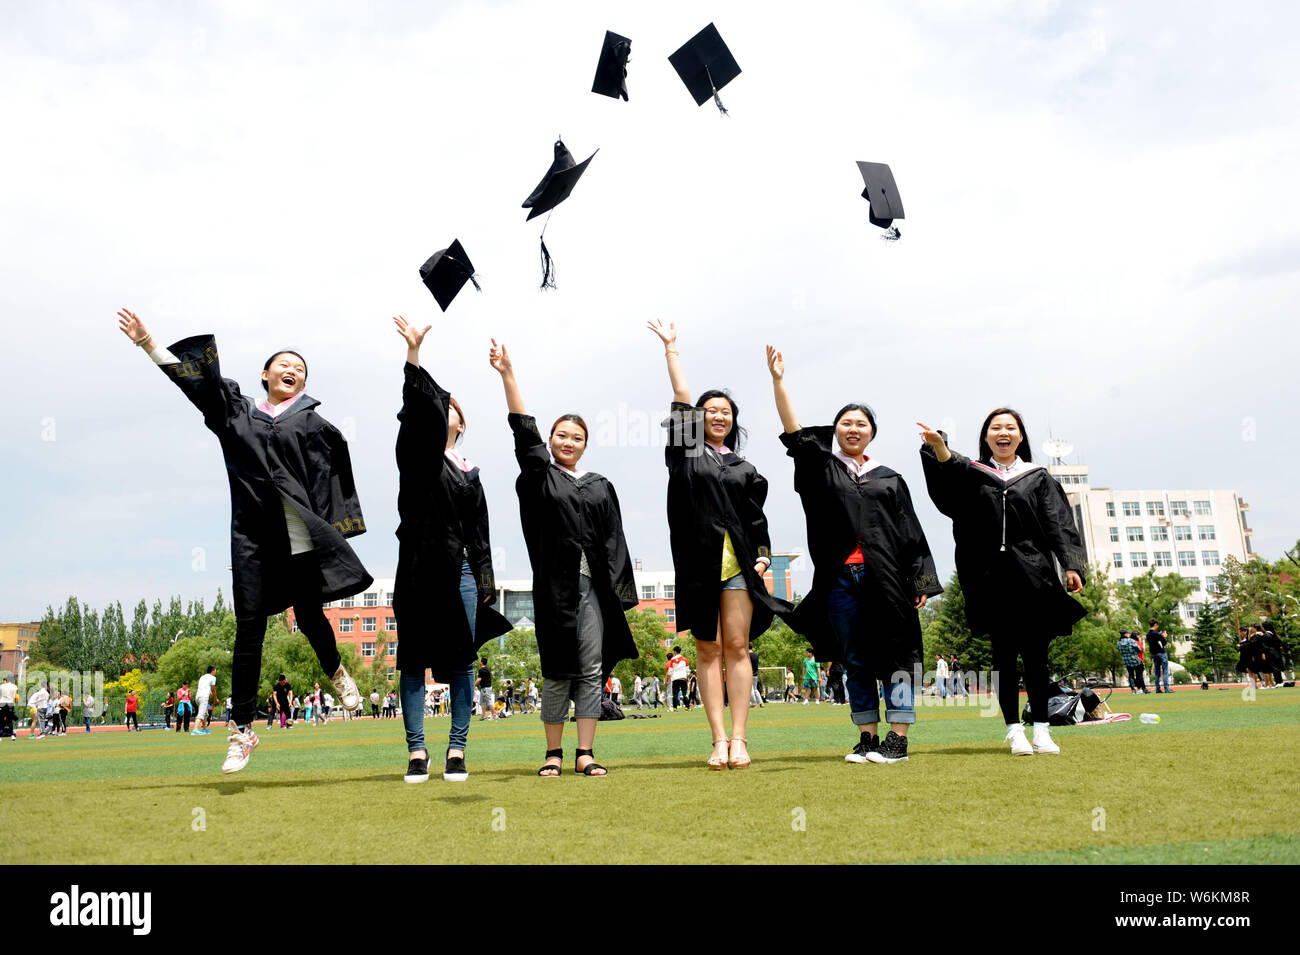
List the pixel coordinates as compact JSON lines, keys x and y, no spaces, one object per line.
{"x":1102,"y":230}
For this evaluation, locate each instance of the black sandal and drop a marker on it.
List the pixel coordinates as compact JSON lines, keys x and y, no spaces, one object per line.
{"x":578,"y":754}
{"x":548,"y":770}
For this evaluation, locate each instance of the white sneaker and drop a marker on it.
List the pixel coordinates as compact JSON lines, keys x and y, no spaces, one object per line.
{"x":241,"y":747}
{"x":1043,"y":742}
{"x":1016,"y":737}
{"x":346,"y":688}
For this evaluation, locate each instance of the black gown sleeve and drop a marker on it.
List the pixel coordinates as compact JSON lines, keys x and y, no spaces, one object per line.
{"x":919,"y":562}
{"x":343,"y":487}
{"x":422,"y":435}
{"x":479,"y":549}
{"x":755,"y":520}
{"x":620,"y":562}
{"x":944,"y":479}
{"x":1058,"y":522}
{"x":809,"y":447}
{"x":197,"y":372}
{"x":685,"y":424}
{"x":530,"y":450}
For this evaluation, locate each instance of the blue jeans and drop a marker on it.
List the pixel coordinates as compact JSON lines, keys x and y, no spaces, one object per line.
{"x":411,"y":685}
{"x":1160,"y":665}
{"x":844,"y":609}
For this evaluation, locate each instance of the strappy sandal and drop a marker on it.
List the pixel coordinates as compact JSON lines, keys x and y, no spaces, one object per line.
{"x":587,"y":770}
{"x":552,"y":769}
{"x":739,"y":763}
{"x":719,"y":762}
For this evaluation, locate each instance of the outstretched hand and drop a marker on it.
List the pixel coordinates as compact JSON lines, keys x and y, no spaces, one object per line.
{"x":499,"y":359}
{"x":667,"y":333}
{"x":131,"y":325}
{"x":931,"y":437}
{"x":775,"y":363}
{"x":414,"y":336}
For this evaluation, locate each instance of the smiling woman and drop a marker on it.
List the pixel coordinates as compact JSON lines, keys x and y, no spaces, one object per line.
{"x":292,"y":500}
{"x":1011,"y":522}
{"x":582,"y":574}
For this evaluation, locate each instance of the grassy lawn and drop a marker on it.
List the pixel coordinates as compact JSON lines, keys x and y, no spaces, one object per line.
{"x":1213,"y":782}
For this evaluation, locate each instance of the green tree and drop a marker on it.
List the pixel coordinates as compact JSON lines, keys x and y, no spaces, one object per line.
{"x":1214,"y":649}
{"x":649,"y":634}
{"x":187,"y":660}
{"x":945,"y":630}
{"x":779,"y":646}
{"x":1151,"y":595}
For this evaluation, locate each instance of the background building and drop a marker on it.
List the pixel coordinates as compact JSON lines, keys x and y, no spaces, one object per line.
{"x":16,"y":642}
{"x":367,"y":618}
{"x":1185,"y":531}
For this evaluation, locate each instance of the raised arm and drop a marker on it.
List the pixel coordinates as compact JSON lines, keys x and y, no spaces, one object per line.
{"x":784,"y":406}
{"x":935,"y":440}
{"x":414,"y":338}
{"x":668,"y":335}
{"x":134,"y":329}
{"x":499,"y":359}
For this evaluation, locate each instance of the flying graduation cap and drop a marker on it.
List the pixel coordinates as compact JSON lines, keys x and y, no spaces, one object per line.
{"x":705,"y":65}
{"x":446,"y":273}
{"x":882,"y":192}
{"x":611,"y":68}
{"x":554,"y":188}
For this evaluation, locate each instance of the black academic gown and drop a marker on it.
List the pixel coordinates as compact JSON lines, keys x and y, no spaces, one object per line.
{"x":708,"y":495}
{"x":873,"y":512}
{"x":562,"y":519}
{"x":297,"y":455}
{"x":1007,"y":535}
{"x":443,"y":519}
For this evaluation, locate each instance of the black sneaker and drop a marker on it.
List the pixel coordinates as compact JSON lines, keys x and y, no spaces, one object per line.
{"x":892,"y":750}
{"x":868,"y":743}
{"x":417,"y":772}
{"x":455,"y":772}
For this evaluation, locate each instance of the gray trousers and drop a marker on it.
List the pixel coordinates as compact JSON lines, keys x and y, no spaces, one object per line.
{"x":586,"y":690}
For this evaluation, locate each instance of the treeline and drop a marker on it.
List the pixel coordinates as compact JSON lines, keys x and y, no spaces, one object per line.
{"x":177,"y":642}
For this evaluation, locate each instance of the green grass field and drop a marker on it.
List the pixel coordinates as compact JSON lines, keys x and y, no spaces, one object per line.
{"x":1213,"y":782}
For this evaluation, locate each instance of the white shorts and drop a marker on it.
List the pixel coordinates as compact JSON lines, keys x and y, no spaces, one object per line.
{"x":203,"y":709}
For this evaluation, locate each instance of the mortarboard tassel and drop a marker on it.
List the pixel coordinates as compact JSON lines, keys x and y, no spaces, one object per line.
{"x":548,"y":269}
{"x":722,"y":110}
{"x":461,"y":265}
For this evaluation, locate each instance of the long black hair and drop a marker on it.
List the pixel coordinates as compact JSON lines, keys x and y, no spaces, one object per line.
{"x":1023,"y":451}
{"x":737,"y":435}
{"x":865,"y":409}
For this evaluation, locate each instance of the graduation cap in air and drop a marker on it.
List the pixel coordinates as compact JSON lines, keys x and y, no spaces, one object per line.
{"x":554,"y":188}
{"x":611,"y":68}
{"x":705,"y":65}
{"x":882,"y":192}
{"x":446,"y":273}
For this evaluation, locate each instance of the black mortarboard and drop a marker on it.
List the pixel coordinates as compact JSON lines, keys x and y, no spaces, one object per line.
{"x":446,"y":273}
{"x":554,"y":188}
{"x":557,"y":183}
{"x":882,"y":193}
{"x":611,"y":68}
{"x":705,"y":65}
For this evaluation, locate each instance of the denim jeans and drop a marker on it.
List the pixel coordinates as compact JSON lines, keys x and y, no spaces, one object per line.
{"x":1159,"y":666}
{"x":411,"y":685}
{"x":844,"y":609}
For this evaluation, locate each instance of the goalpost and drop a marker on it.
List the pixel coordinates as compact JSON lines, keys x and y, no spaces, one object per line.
{"x":771,"y":681}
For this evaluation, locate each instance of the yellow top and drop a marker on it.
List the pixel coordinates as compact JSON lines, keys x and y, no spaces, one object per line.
{"x":730,"y":565}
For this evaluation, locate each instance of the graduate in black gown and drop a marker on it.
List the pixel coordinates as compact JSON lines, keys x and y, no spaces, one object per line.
{"x":872,"y":569}
{"x":444,"y":585}
{"x":721,"y":550}
{"x":1012,"y":524}
{"x":293,"y":504}
{"x":582,"y":574}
